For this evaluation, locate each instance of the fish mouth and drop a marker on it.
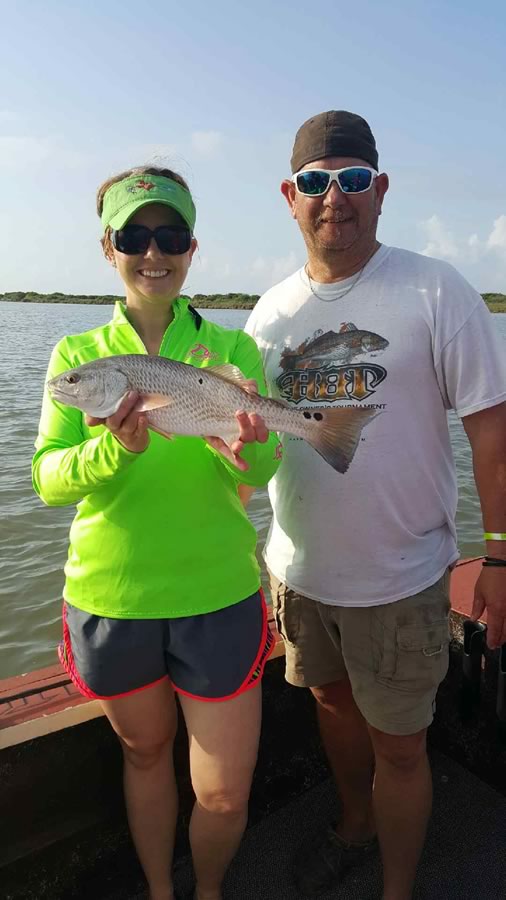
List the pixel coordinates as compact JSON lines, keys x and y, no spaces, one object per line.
{"x":58,"y":394}
{"x":56,"y":388}
{"x":52,"y":386}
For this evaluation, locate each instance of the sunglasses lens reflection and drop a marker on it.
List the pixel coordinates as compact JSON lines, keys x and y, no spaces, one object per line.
{"x":313,"y":182}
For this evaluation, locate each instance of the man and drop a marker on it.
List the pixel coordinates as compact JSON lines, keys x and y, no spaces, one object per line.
{"x":360,"y":561}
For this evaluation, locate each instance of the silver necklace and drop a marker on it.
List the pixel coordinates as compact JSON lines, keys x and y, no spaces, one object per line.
{"x":342,"y":293}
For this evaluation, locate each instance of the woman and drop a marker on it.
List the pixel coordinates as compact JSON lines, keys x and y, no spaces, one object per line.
{"x":162,"y":591}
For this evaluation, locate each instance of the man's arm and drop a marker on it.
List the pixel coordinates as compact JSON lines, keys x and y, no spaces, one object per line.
{"x":486,"y":431}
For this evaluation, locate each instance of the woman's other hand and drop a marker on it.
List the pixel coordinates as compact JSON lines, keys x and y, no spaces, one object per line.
{"x":128,"y":426}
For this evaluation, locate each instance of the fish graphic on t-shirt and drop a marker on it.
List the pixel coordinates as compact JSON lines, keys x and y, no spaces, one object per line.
{"x":332,"y":348}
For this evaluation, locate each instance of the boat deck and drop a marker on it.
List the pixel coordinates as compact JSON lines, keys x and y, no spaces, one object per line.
{"x":67,"y":839}
{"x":464,"y":857}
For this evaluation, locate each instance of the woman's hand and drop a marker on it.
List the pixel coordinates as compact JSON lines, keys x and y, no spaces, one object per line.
{"x":251,"y":428}
{"x":129,"y":427}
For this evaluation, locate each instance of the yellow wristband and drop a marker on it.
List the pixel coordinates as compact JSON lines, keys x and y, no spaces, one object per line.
{"x":494,"y":536}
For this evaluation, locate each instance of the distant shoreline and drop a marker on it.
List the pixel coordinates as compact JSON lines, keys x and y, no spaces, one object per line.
{"x":495,"y":302}
{"x":203,"y":301}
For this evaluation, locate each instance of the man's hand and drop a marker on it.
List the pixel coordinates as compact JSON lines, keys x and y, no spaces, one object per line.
{"x":129,"y":427}
{"x":490,"y":594}
{"x":486,"y":431}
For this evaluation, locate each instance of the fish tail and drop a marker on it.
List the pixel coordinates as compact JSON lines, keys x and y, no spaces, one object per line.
{"x":336,"y":435}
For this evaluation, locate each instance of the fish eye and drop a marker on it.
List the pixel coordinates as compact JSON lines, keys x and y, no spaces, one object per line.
{"x":72,"y":379}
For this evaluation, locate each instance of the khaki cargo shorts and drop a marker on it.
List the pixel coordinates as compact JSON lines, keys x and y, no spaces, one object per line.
{"x":395,"y":655}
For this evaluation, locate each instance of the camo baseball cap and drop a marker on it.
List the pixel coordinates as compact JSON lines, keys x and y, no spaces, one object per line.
{"x":125,"y":197}
{"x":334,"y":133}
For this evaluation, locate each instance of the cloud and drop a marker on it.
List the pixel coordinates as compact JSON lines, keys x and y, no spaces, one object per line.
{"x":276,"y":268}
{"x":497,"y":237}
{"x":206,"y":143}
{"x":269,"y":271}
{"x":284,"y":266}
{"x":442,"y":244}
{"x":440,"y":241}
{"x":211,"y":275}
{"x":475,"y":249}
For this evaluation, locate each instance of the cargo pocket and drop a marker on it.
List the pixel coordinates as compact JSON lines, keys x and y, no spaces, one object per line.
{"x":420,"y":657}
{"x":286,"y":610}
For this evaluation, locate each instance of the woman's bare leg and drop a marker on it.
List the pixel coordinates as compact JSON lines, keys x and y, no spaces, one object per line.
{"x":223,"y":741}
{"x":146,"y":724}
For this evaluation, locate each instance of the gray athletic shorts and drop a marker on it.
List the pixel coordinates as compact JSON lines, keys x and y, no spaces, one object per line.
{"x":214,"y":656}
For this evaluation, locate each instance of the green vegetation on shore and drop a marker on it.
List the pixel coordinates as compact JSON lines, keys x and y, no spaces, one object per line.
{"x":203,"y":301}
{"x":495,"y":302}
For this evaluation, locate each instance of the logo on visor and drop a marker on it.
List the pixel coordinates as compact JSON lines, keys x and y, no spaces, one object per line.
{"x":149,"y":186}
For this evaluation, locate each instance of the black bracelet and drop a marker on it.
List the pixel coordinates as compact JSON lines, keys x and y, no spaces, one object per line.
{"x":493,"y":562}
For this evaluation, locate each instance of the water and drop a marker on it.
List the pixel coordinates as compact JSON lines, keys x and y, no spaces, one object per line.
{"x":33,"y":538}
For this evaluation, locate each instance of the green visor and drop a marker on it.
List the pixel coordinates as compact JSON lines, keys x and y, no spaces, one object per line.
{"x":124,"y":198}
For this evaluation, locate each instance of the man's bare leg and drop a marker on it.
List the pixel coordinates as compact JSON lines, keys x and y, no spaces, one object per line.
{"x":350,"y":754}
{"x":402,"y":800}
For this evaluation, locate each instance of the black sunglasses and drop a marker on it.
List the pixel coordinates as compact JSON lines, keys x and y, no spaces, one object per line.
{"x":135,"y":239}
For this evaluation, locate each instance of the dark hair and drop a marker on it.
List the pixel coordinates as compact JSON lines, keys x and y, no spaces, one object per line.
{"x":137,"y":170}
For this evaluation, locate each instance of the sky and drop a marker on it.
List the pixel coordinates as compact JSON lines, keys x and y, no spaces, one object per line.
{"x":217,"y":92}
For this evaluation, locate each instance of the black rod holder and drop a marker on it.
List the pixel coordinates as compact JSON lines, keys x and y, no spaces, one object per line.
{"x":474,"y":642}
{"x":501,"y":686}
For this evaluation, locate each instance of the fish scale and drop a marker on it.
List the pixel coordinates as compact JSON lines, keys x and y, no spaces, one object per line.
{"x":178,"y":398}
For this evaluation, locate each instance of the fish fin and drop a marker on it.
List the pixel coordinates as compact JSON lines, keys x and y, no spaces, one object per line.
{"x":229,"y":436}
{"x":152,"y":401}
{"x":228,"y":372}
{"x":339,"y":434}
{"x":347,"y":326}
{"x":165,"y":434}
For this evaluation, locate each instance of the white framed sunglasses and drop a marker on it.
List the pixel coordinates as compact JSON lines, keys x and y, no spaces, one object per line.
{"x":350,"y":180}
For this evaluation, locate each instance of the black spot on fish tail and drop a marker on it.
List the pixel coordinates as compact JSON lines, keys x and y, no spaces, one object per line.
{"x":338,"y":433}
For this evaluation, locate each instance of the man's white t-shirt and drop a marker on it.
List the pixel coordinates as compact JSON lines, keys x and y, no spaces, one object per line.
{"x":412,"y":340}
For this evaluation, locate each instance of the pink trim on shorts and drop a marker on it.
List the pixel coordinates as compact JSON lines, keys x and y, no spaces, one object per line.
{"x":254,"y":676}
{"x":67,"y":660}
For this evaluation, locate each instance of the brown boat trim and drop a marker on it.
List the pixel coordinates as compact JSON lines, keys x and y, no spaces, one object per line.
{"x":46,"y":700}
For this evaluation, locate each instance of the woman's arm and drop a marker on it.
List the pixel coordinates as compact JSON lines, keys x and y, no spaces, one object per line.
{"x":68,"y":464}
{"x":245,"y":493}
